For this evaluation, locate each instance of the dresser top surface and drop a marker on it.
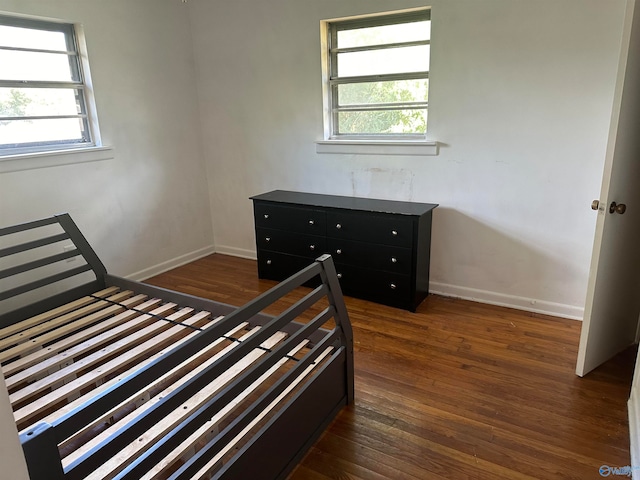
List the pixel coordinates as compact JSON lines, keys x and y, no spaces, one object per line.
{"x":349,"y":203}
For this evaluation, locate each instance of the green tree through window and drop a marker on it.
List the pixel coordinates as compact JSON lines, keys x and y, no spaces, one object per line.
{"x":13,"y":105}
{"x":386,"y":121}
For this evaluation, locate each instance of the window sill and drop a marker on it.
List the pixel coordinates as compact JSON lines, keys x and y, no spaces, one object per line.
{"x":373,"y":147}
{"x":30,"y":161}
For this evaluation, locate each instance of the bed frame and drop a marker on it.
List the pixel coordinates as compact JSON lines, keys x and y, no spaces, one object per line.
{"x":110,"y":378}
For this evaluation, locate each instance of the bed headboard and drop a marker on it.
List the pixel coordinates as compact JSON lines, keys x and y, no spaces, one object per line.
{"x":44,"y":264}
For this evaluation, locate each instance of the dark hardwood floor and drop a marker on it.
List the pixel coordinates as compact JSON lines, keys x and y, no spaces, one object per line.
{"x":457,"y":390}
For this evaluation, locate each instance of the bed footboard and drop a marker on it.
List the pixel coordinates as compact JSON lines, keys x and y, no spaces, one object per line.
{"x":215,"y":392}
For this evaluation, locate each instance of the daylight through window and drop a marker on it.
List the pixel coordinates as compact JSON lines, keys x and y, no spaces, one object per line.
{"x":42,"y":87}
{"x":378,"y":76}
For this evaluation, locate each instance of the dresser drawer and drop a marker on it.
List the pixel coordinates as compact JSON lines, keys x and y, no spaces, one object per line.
{"x":278,"y":266}
{"x":368,"y":227}
{"x":369,"y":255}
{"x":384,"y":287}
{"x":310,"y":246}
{"x":292,"y":219}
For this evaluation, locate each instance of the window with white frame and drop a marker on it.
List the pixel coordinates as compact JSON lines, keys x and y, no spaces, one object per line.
{"x":376,"y":72}
{"x":43,"y":97}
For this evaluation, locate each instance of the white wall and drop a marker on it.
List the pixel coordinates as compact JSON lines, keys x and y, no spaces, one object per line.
{"x":149,"y":204}
{"x":520,"y":97}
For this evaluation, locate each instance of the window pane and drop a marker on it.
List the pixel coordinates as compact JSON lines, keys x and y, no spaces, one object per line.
{"x":382,"y":122}
{"x":383,"y":92}
{"x":389,"y":60}
{"x":403,"y":32}
{"x":24,"y":74}
{"x":30,"y":38}
{"x":15,"y":65}
{"x":36,"y":102}
{"x":30,"y":131}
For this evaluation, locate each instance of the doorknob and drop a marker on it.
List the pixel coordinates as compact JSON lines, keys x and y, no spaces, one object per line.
{"x":595,"y":205}
{"x":617,"y":208}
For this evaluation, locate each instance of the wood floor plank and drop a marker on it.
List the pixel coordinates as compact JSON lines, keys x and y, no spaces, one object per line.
{"x":456,"y":390}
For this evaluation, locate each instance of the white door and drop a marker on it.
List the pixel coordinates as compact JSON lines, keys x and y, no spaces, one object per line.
{"x":612,"y":307}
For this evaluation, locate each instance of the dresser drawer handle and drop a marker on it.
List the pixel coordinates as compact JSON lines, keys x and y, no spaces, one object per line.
{"x":312,"y":247}
{"x":394,"y":260}
{"x":339,"y":275}
{"x":266,"y":215}
{"x":268,"y":262}
{"x":393,"y":286}
{"x":394,"y":233}
{"x":311,"y":222}
{"x":338,"y":226}
{"x":339,"y":251}
{"x":267,"y":239}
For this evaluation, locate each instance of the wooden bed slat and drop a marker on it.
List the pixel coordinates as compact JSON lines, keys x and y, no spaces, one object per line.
{"x":61,"y":326}
{"x":131,"y":452}
{"x":50,"y":360}
{"x":211,"y":464}
{"x":243,"y":380}
{"x":329,"y":342}
{"x":73,"y":345}
{"x":131,"y":341}
{"x":146,"y":392}
{"x":66,"y":409}
{"x":198,"y":436}
{"x":168,"y":382}
{"x":61,"y":310}
{"x":29,"y":411}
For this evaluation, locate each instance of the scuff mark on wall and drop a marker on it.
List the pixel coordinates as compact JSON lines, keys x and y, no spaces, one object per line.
{"x":387,"y":183}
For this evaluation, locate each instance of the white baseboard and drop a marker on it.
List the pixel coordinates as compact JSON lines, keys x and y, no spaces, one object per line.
{"x":465,"y":293}
{"x":236,"y":252}
{"x":511,"y":301}
{"x":173,"y":263}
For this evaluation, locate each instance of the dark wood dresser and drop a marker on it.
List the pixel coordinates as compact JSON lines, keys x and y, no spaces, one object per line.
{"x":380,"y":247}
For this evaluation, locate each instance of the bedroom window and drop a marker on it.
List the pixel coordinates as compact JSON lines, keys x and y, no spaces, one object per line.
{"x":376,"y":72}
{"x":43,"y":90}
